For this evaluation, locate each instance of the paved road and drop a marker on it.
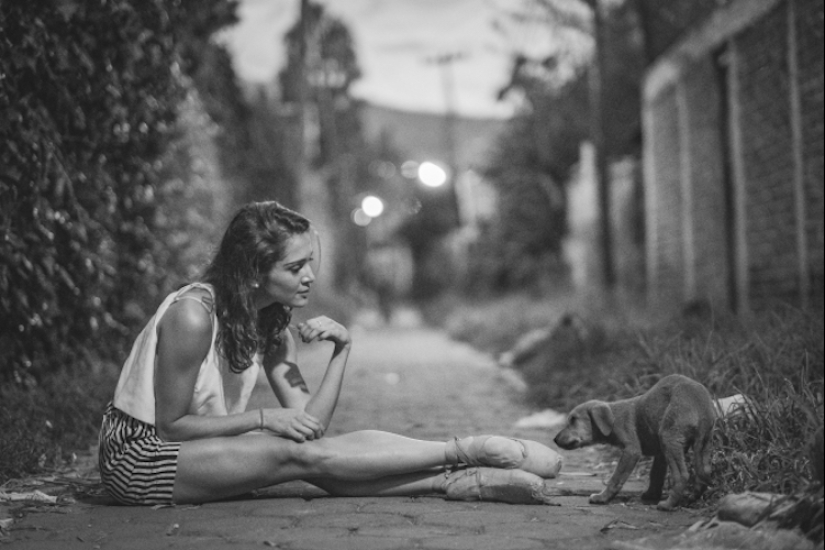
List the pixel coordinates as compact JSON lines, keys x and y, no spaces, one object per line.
{"x":411,"y":381}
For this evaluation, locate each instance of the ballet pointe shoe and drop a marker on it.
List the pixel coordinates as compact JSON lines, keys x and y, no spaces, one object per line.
{"x":496,"y":485}
{"x":540,"y":459}
{"x":504,"y":452}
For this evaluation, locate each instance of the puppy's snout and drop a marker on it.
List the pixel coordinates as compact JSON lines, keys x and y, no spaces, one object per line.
{"x":566,"y":440}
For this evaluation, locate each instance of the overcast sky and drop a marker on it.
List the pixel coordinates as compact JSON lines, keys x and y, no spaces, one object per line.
{"x":396,"y":41}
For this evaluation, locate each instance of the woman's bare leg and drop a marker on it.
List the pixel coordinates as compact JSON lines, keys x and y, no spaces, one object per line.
{"x":211,"y":469}
{"x":477,"y":483}
{"x":403,"y":485}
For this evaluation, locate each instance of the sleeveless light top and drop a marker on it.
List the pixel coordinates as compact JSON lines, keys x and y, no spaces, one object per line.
{"x":218,"y":390}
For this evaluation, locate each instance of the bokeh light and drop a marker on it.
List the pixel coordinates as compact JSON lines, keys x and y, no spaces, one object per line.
{"x":431,"y":174}
{"x":372,"y":206}
{"x":360,"y":218}
{"x":409,"y":169}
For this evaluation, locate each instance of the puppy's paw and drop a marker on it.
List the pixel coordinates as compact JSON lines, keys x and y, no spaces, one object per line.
{"x":667,"y":505}
{"x":649,"y":497}
{"x":599,"y":498}
{"x":694,"y":494}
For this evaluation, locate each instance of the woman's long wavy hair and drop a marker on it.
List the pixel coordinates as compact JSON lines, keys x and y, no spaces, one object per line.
{"x":254,"y":241}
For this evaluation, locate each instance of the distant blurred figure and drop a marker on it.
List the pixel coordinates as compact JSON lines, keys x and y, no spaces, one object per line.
{"x":388,"y":273}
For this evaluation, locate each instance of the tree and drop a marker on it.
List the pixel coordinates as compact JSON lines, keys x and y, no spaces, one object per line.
{"x":542,"y":144}
{"x":321,"y":66}
{"x":662,"y":23}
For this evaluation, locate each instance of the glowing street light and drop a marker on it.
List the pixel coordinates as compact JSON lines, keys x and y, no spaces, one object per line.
{"x":360,"y":218}
{"x":409,"y":169}
{"x":372,"y":206}
{"x":431,"y":174}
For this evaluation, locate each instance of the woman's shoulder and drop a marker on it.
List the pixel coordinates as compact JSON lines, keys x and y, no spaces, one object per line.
{"x":200,"y":292}
{"x":190,"y":312}
{"x":185,"y":333}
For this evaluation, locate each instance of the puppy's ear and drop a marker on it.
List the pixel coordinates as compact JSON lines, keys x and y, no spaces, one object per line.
{"x":601,"y":415}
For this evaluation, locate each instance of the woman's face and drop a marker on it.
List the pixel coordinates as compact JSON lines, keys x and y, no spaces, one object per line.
{"x":288,"y":282}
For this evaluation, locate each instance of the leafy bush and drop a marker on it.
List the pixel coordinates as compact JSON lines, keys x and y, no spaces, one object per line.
{"x":44,"y":425}
{"x":107,"y":198}
{"x":89,"y":97}
{"x":531,"y":161}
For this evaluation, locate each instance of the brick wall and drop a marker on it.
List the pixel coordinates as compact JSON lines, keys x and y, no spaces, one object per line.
{"x":745,"y":206}
{"x":809,"y":22}
{"x":707,"y":179}
{"x":767,"y":154}
{"x":665,"y":219}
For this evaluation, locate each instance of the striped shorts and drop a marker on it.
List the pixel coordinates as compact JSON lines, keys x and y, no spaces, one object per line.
{"x":136,"y":466}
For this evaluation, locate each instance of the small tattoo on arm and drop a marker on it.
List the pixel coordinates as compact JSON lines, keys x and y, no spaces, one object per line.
{"x":294,"y":378}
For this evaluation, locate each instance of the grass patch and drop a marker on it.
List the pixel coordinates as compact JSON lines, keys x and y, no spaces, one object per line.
{"x":41,"y":426}
{"x":775,"y":360}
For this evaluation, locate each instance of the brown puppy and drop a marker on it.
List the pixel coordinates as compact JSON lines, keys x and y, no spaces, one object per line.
{"x":673,"y":415}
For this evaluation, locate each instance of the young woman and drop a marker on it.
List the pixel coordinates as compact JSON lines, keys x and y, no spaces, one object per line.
{"x":178,"y":429}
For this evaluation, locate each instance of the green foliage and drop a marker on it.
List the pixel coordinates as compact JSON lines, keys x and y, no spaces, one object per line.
{"x":44,"y":425}
{"x":89,"y":97}
{"x":775,"y":361}
{"x":528,"y":168}
{"x":108,"y":196}
{"x":253,"y":144}
{"x":321,"y":66}
{"x":532,"y":160}
{"x":321,"y":58}
{"x":666,"y":22}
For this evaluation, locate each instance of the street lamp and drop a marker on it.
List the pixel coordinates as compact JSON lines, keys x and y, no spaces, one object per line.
{"x":372,"y":206}
{"x":431,"y":174}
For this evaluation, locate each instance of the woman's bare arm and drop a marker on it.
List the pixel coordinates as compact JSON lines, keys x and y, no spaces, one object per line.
{"x":285,"y":377}
{"x":184,"y":339}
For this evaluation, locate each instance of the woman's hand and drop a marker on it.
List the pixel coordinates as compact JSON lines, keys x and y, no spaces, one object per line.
{"x":293,"y":424}
{"x":323,"y":328}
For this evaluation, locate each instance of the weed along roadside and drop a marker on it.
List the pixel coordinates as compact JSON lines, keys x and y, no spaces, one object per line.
{"x":767,"y":372}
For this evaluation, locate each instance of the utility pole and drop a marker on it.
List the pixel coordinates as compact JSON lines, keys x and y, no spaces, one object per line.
{"x":302,"y":146}
{"x":328,"y":190}
{"x":445,"y":62}
{"x":597,"y":133}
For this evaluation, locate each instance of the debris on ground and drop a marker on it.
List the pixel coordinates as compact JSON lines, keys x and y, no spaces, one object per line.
{"x":30,"y":496}
{"x":756,"y":521}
